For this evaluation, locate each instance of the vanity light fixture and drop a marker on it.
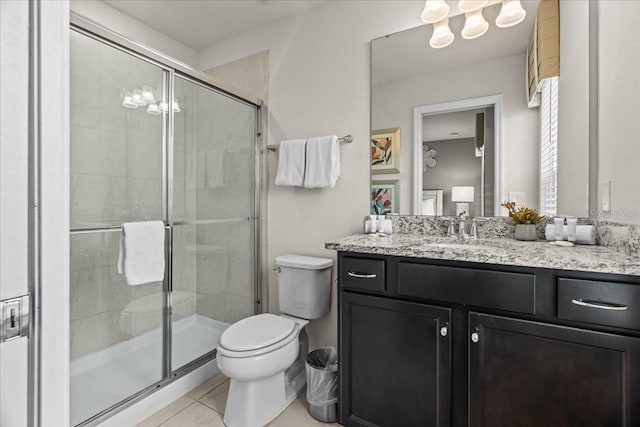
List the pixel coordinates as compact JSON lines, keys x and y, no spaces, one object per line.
{"x":474,"y":25}
{"x":467,"y":6}
{"x":175,"y":106}
{"x":434,"y":11}
{"x":511,"y":13}
{"x":442,"y":35}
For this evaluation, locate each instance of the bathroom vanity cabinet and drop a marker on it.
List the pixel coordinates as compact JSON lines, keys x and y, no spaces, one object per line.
{"x":425,"y":342}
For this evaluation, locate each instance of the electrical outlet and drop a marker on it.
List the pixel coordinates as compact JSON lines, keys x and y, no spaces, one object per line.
{"x":517,"y":197}
{"x":605,"y":196}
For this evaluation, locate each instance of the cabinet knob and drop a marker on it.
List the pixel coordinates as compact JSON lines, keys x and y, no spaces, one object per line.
{"x":444,"y":331}
{"x":475,"y":337}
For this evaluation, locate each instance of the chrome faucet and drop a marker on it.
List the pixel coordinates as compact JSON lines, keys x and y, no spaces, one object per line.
{"x":462,"y":226}
{"x":474,"y":229}
{"x":451,"y":231}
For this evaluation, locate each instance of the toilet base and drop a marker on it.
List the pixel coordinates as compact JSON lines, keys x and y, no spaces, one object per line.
{"x":256,"y":403}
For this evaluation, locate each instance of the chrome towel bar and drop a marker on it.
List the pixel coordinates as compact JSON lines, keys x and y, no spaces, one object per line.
{"x":346,"y":139}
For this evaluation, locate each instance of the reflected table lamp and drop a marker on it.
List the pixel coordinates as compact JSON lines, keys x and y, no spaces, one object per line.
{"x":462,"y":196}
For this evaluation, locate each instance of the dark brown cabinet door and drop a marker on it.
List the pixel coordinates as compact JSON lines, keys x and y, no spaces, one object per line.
{"x":394,"y":363}
{"x":525,"y":373}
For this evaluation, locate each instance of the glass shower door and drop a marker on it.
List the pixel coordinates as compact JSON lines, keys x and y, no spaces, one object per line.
{"x":117,"y":140}
{"x":213,"y":217}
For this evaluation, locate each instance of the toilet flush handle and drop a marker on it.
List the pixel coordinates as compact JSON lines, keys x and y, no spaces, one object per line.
{"x":277,"y":269}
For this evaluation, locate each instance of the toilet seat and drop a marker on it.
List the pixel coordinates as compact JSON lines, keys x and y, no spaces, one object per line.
{"x":257,"y":335}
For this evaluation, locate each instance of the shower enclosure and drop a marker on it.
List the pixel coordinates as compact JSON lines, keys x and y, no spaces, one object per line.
{"x":151,"y":140}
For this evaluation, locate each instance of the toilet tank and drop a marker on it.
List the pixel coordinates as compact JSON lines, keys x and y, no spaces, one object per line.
{"x":304,"y":285}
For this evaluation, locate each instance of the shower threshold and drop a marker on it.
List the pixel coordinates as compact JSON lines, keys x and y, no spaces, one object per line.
{"x":105,"y":378}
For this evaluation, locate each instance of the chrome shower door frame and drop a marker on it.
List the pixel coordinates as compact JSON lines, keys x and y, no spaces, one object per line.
{"x":172,"y":69}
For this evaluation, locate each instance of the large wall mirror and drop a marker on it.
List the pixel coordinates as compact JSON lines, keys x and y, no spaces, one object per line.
{"x":461,"y":126}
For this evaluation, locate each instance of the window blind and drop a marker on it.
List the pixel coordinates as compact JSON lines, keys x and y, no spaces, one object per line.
{"x":549,"y":146}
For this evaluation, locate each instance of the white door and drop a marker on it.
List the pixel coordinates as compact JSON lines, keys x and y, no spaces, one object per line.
{"x":34,"y":40}
{"x":14,"y":205}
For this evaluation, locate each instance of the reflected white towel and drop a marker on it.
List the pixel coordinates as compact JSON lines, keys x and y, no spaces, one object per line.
{"x":429,"y":207}
{"x":215,"y":168}
{"x":323,"y":162}
{"x":196,"y":170}
{"x":291,"y":162}
{"x":141,"y":255}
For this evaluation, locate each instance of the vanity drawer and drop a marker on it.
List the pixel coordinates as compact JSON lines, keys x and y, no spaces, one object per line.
{"x":362,"y":273}
{"x":603,"y":303}
{"x":479,"y":288}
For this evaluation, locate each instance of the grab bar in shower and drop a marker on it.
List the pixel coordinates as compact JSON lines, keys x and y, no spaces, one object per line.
{"x":348,"y":139}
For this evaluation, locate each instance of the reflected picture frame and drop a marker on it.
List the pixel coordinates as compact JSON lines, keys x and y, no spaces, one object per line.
{"x":385,"y":197}
{"x":385,"y":150}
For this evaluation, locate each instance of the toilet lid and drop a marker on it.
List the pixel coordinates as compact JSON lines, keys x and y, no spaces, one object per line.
{"x":256,"y":332}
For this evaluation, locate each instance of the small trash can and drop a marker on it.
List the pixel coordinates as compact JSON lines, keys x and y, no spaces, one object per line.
{"x":322,"y":384}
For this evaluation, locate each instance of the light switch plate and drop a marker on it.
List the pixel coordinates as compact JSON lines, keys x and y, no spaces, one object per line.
{"x":517,"y":197}
{"x":605,"y":196}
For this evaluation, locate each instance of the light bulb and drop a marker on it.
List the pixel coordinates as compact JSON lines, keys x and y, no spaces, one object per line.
{"x":434,"y":11}
{"x":471,"y":5}
{"x":474,"y":25}
{"x":442,"y":35}
{"x":147,"y":95}
{"x":511,"y":13}
{"x":127,"y":102}
{"x":153,"y":109}
{"x":137,"y":97}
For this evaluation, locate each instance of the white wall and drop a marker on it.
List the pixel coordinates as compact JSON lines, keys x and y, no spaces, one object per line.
{"x":319,"y":84}
{"x":573,"y":109}
{"x":619,"y":110}
{"x":134,"y":29}
{"x":520,"y":129}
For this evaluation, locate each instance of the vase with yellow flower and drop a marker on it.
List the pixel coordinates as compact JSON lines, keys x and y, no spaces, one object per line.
{"x":525,"y":220}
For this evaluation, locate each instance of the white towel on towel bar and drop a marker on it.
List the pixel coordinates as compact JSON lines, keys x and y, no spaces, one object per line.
{"x":291,"y":162}
{"x":141,"y":255}
{"x":323,"y":162}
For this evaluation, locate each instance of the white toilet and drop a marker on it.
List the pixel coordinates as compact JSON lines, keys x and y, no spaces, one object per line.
{"x":264,"y":355}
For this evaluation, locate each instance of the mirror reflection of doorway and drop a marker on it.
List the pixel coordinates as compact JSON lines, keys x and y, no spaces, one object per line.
{"x":455,"y":150}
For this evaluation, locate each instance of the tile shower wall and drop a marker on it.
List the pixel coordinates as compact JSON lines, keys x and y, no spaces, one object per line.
{"x":104,"y":309}
{"x":116,"y":176}
{"x":213,"y":175}
{"x":116,"y":152}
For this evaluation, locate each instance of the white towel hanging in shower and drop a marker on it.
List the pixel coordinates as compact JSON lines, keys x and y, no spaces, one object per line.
{"x":141,"y":255}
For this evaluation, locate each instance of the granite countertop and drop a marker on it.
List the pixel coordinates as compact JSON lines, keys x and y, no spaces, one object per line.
{"x":501,"y":251}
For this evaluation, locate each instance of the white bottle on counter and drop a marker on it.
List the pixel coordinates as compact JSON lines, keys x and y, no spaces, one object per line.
{"x":374,"y":223}
{"x":559,"y":222}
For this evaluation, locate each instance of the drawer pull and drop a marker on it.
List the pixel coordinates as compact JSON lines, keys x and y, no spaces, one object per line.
{"x":600,"y":305}
{"x":361,"y":275}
